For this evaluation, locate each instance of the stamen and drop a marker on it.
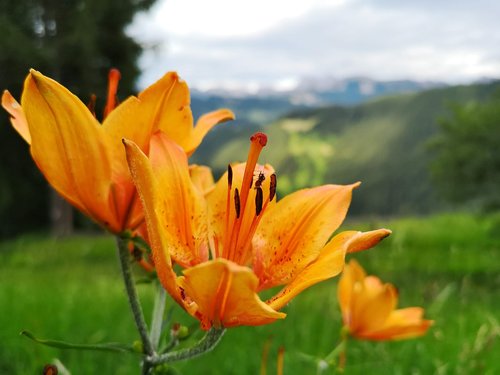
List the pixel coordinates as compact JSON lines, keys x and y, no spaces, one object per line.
{"x":258,"y":200}
{"x":113,"y":78}
{"x":229,"y":176}
{"x":237,"y":205}
{"x":232,"y":240}
{"x":272,"y":187}
{"x":257,"y":143}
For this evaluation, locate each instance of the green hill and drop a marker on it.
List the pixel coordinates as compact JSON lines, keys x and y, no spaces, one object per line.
{"x":383,"y":143}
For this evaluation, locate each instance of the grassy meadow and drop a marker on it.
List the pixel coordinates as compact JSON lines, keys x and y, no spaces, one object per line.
{"x":70,"y":289}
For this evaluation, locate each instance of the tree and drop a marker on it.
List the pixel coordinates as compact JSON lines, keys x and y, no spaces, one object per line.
{"x":467,"y":164}
{"x":76,"y":42}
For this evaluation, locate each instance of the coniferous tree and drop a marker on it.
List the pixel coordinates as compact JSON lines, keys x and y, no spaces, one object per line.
{"x":76,"y":42}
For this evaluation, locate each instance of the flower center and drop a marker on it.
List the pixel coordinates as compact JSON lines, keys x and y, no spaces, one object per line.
{"x":247,"y":203}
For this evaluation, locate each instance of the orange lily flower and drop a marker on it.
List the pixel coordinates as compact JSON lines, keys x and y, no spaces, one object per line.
{"x":368,"y":308}
{"x":84,"y":160}
{"x":239,"y":241}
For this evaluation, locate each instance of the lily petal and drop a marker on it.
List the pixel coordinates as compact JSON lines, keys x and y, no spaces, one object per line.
{"x":371,"y":310}
{"x":202,"y":177}
{"x":225,"y":294}
{"x":65,"y":152}
{"x":204,"y":124}
{"x":147,"y":188}
{"x":329,"y":264}
{"x":401,"y":324}
{"x":180,"y":203}
{"x":18,"y":119}
{"x":353,"y":273}
{"x":293,"y":232}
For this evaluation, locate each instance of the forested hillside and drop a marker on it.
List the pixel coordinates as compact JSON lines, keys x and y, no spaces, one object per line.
{"x":383,"y":143}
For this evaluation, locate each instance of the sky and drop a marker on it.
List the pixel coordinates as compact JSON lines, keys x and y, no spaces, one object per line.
{"x":258,"y":44}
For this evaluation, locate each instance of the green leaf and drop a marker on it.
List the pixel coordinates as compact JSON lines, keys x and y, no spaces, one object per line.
{"x":108,"y":347}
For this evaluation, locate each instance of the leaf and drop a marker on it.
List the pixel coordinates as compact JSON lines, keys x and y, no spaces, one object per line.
{"x":109,"y":346}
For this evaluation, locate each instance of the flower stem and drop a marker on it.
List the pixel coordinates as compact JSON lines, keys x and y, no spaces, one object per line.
{"x":206,"y":344}
{"x":157,"y":320}
{"x":133,"y":298}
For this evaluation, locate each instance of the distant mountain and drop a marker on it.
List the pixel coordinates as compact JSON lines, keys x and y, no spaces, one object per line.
{"x":384,"y":143}
{"x":261,"y":106}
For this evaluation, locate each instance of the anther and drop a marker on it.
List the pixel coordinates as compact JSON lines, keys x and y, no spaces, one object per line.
{"x":258,"y":200}
{"x":272,"y":187}
{"x":237,"y":202}
{"x":229,"y":176}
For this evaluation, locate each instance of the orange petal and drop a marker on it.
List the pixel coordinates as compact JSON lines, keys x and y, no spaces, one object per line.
{"x":401,"y":324}
{"x":329,"y":264}
{"x":148,"y":190}
{"x":202,"y":178}
{"x":293,"y":232}
{"x":18,"y":119}
{"x":371,"y":309}
{"x":67,"y":143}
{"x":352,"y":274}
{"x":225,"y":295}
{"x":180,"y":206}
{"x":166,"y":107}
{"x":204,"y":124}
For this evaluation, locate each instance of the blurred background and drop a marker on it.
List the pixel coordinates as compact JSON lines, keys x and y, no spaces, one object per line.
{"x":401,"y":95}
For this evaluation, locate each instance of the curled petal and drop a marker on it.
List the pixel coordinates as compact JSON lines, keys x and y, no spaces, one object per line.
{"x":293,"y":232}
{"x":329,"y":264}
{"x":204,"y":124}
{"x":225,"y":295}
{"x":17,"y":117}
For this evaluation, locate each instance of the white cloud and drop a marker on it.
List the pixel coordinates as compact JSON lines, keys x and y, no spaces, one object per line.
{"x":263,"y":42}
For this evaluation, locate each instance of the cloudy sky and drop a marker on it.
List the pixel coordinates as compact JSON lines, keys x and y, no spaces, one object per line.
{"x":250,"y":44}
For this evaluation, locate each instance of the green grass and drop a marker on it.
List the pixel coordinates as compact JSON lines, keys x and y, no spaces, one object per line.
{"x":70,"y":289}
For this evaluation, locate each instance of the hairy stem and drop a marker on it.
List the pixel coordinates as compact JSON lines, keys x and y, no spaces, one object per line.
{"x":133,"y":298}
{"x":206,"y":344}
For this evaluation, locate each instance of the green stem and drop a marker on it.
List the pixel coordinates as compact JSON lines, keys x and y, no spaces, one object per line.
{"x":133,"y":298}
{"x":206,"y":344}
{"x":157,"y":320}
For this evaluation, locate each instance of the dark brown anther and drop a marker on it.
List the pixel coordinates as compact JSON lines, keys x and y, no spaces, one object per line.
{"x":237,"y":202}
{"x":229,"y":176}
{"x":259,"y":198}
{"x":272,"y":187}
